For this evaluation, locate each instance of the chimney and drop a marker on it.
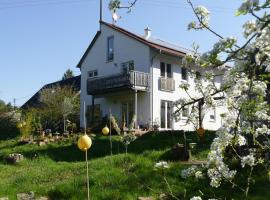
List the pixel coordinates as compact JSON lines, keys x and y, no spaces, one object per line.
{"x":147,"y":33}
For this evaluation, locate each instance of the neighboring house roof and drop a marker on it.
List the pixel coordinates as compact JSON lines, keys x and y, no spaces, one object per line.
{"x":154,"y":43}
{"x":34,"y":101}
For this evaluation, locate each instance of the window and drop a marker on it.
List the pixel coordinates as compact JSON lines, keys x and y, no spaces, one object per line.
{"x":169,"y":71}
{"x":92,"y":74}
{"x":166,"y":110}
{"x":165,"y":70}
{"x":184,"y":74}
{"x":185,"y":112}
{"x":110,"y":48}
{"x":127,"y":113}
{"x":213,"y":115}
{"x":97,"y":114}
{"x":162,"y":69}
{"x":127,"y":66}
{"x":198,"y":75}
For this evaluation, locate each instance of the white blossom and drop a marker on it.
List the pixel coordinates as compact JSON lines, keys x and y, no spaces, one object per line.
{"x":198,"y":175}
{"x":241,"y":140}
{"x":248,"y":160}
{"x":261,"y":130}
{"x":249,"y":28}
{"x":185,"y":173}
{"x":161,"y":165}
{"x":196,"y":198}
{"x":248,"y":5}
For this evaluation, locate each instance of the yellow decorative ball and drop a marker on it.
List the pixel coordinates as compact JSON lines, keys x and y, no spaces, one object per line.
{"x":105,"y":130}
{"x":84,"y":142}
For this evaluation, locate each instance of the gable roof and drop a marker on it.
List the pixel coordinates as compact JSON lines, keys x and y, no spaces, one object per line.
{"x":154,"y":43}
{"x":34,"y":101}
{"x":88,"y":49}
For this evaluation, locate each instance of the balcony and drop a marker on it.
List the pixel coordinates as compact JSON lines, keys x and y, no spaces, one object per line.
{"x":133,"y":80}
{"x":166,"y":84}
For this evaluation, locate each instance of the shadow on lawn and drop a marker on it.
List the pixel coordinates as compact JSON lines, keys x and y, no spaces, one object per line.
{"x":101,"y":146}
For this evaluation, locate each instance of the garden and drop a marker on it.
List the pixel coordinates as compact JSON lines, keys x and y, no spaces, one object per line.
{"x":57,"y":170}
{"x":44,"y":155}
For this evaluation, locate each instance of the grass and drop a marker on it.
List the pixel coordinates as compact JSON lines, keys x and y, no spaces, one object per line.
{"x":59,"y":170}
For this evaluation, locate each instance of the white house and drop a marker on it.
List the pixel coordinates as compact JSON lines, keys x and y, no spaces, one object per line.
{"x":137,"y":75}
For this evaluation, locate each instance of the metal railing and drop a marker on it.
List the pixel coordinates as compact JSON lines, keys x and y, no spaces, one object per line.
{"x":130,"y":80}
{"x":166,"y":84}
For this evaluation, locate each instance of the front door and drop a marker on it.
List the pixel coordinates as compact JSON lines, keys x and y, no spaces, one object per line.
{"x":127,"y":112}
{"x":166,"y":114}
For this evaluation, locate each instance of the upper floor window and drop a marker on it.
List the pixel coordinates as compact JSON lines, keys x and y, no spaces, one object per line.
{"x":110,"y":48}
{"x":127,"y":66}
{"x":185,"y":112}
{"x":184,"y":74}
{"x":93,"y":73}
{"x":165,"y":70}
{"x":212,"y":115}
{"x":198,"y":75}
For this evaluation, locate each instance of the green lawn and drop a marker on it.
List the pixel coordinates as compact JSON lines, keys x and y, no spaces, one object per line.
{"x":59,"y":171}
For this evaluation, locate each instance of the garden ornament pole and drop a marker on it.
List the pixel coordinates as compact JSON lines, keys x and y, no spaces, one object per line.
{"x":84,"y":143}
{"x":106,"y":131}
{"x":110,"y":131}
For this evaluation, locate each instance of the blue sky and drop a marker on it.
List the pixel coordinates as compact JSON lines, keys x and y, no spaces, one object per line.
{"x":41,"y":39}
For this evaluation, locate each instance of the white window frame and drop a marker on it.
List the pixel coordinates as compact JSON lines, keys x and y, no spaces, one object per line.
{"x":166,"y":102}
{"x":93,"y":73}
{"x":166,"y":66}
{"x":213,"y":113}
{"x":128,"y":65}
{"x":187,"y":110}
{"x":108,"y":58}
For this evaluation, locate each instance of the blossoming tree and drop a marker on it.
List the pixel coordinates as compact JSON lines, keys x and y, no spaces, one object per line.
{"x":244,"y":137}
{"x":243,"y":142}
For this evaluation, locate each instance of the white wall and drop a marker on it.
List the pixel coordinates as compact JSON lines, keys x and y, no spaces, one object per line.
{"x":125,"y":49}
{"x":159,"y":95}
{"x":145,"y":60}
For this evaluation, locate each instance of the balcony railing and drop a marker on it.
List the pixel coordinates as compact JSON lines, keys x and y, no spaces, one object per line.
{"x":166,"y":84}
{"x":132,"y":80}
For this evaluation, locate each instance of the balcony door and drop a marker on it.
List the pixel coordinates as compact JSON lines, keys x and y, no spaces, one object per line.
{"x":127,"y":66}
{"x":165,"y":70}
{"x":127,"y":112}
{"x":166,"y":110}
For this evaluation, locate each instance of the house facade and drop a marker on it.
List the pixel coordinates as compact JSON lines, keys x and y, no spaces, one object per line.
{"x":128,"y":74}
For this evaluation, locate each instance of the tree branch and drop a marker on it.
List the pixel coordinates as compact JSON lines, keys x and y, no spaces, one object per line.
{"x":131,"y":4}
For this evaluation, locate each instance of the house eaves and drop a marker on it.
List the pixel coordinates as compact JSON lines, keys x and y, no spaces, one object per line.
{"x":88,"y":49}
{"x":151,"y":44}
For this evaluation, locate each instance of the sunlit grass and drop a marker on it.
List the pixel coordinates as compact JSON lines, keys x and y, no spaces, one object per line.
{"x":59,"y":170}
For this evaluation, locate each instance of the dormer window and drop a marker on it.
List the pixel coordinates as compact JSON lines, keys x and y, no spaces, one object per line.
{"x":110,"y":48}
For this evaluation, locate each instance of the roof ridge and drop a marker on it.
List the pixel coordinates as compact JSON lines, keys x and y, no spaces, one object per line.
{"x":172,"y":43}
{"x":65,"y":80}
{"x":153,"y":44}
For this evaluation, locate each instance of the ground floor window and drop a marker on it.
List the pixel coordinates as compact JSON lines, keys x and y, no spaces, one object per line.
{"x":97,"y":114}
{"x":166,"y":114}
{"x":127,"y":113}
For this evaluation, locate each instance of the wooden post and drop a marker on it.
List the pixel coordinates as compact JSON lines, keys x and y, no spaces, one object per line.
{"x":136,"y":108}
{"x":93,"y":110}
{"x":110,"y":131}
